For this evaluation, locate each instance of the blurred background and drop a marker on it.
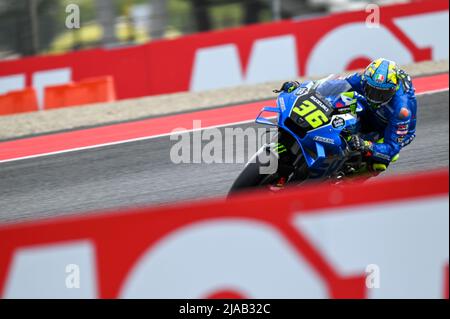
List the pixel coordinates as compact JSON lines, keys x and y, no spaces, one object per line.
{"x":30,"y":27}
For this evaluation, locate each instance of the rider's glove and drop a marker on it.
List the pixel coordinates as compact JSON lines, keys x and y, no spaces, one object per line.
{"x":288,"y":87}
{"x":356,"y":143}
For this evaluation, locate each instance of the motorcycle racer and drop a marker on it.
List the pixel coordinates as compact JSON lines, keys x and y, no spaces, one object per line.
{"x":388,"y":121}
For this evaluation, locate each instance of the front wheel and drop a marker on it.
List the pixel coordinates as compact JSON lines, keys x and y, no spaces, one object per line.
{"x":256,"y":172}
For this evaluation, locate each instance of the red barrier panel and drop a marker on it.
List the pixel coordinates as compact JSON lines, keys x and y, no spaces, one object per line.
{"x":18,"y":102}
{"x":88,"y":91}
{"x":252,"y":54}
{"x":309,"y":242}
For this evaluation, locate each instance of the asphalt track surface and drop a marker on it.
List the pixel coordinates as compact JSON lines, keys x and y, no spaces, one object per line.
{"x":142,"y":173}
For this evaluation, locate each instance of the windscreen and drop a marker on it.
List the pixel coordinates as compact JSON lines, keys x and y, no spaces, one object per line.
{"x":332,"y":86}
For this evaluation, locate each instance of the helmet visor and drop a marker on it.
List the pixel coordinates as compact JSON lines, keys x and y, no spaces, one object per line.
{"x":378,"y":95}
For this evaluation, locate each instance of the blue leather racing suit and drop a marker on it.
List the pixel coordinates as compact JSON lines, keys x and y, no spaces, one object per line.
{"x":391,"y":126}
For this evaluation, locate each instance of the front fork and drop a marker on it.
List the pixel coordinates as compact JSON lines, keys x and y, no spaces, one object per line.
{"x":291,"y":165}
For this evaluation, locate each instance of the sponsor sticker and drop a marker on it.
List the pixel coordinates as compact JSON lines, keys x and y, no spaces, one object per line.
{"x":338,"y":122}
{"x":282,"y":104}
{"x":320,"y":103}
{"x":302,"y":91}
{"x":323,"y":139}
{"x":382,"y":156}
{"x":344,"y":110}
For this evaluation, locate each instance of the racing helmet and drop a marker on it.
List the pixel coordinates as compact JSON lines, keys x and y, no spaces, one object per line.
{"x":380,"y":81}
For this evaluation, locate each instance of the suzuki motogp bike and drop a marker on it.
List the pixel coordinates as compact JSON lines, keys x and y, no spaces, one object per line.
{"x":313,"y":124}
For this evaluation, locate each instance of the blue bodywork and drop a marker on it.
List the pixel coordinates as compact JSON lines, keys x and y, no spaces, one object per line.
{"x":323,"y":148}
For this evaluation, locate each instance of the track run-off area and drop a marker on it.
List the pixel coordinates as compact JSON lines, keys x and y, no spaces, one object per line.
{"x":129,"y":164}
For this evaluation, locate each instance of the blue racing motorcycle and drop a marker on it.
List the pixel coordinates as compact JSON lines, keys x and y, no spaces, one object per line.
{"x":313,"y":124}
